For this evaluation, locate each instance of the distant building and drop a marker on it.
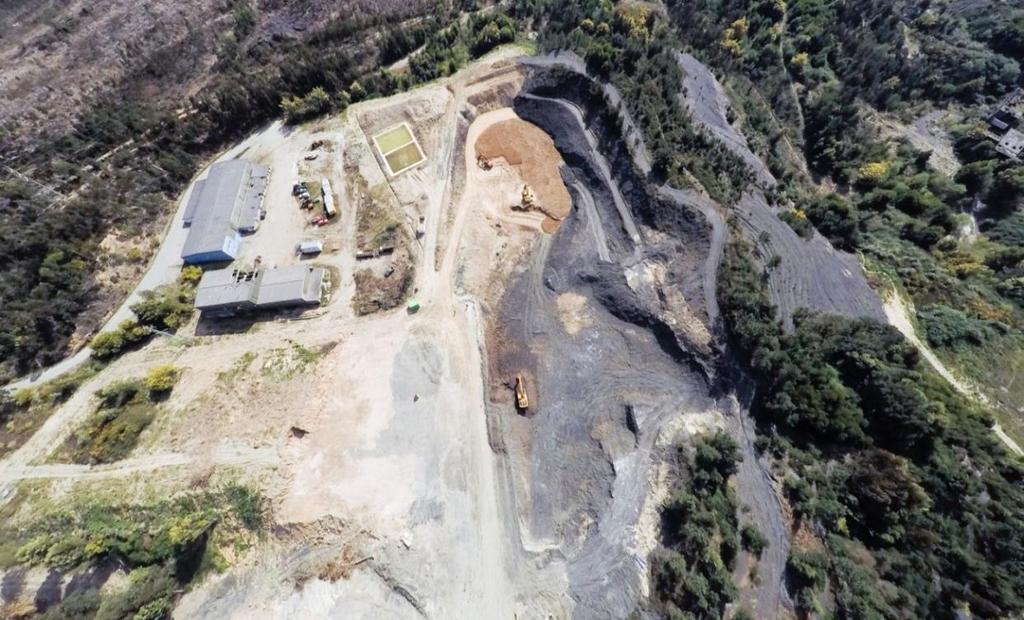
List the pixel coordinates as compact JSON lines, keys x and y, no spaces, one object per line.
{"x":1011,"y":144}
{"x":228,"y":202}
{"x":229,"y":291}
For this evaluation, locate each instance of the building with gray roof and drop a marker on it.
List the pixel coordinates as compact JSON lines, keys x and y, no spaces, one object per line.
{"x":229,"y":291}
{"x":228,"y":202}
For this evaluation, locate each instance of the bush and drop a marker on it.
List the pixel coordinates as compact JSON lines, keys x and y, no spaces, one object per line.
{"x":752,"y":540}
{"x":835,"y":218}
{"x":190,"y":275}
{"x":165,"y":307}
{"x":808,"y":573}
{"x":106,"y":345}
{"x":247,"y":504}
{"x":162,"y":378}
{"x":314,"y":103}
{"x":110,"y":435}
{"x":949,"y":328}
{"x":147,"y":597}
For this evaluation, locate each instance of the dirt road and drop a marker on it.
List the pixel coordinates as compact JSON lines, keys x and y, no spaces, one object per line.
{"x":899,"y":317}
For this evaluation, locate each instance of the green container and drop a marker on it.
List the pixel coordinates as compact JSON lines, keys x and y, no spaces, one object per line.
{"x":412,"y":306}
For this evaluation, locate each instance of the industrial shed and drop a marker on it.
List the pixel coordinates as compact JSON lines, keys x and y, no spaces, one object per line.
{"x":229,"y":291}
{"x":228,"y":202}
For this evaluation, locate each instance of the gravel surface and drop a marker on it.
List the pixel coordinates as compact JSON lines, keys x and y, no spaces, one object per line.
{"x":708,"y":105}
{"x":611,"y":395}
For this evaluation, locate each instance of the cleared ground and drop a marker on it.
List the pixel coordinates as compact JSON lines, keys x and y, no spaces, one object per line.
{"x":402,"y":481}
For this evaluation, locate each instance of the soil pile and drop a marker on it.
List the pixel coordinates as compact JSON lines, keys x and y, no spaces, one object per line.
{"x":532,"y":153}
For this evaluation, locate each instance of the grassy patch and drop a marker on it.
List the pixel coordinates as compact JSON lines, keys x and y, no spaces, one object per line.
{"x":285,"y":362}
{"x":22,"y":413}
{"x":165,"y":544}
{"x":375,"y":293}
{"x":125,"y":409}
{"x":240,"y":366}
{"x":376,"y":222}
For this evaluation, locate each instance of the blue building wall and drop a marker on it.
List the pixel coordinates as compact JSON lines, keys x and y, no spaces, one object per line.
{"x":228,"y":252}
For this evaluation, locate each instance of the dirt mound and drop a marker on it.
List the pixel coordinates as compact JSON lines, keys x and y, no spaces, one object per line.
{"x":532,"y":153}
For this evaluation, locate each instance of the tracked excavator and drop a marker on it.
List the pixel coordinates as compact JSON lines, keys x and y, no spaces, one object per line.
{"x":522,"y":400}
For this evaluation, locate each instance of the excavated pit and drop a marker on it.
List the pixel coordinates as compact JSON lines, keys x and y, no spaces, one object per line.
{"x":608,"y":388}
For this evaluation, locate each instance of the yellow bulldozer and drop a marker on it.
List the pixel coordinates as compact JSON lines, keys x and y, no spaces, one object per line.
{"x":522,"y":400}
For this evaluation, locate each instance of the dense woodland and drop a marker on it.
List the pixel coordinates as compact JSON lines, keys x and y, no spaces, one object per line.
{"x":809,"y":78}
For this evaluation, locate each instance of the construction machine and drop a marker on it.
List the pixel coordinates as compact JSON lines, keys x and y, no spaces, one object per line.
{"x":522,"y":400}
{"x":528,"y":197}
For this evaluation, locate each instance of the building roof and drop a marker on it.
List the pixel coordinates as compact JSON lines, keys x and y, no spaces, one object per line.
{"x":226,"y":201}
{"x":233,"y":289}
{"x":193,"y":201}
{"x":224,"y":287}
{"x":296,"y":284}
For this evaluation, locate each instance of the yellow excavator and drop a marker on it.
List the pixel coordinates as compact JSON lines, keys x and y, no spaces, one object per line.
{"x":528,"y":197}
{"x":522,"y":400}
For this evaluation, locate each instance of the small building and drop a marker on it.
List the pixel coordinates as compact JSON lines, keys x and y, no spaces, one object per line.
{"x":311,"y":247}
{"x":226,"y":292}
{"x":328,"y":196}
{"x":1002,"y":120}
{"x":1011,"y":144}
{"x":228,"y":202}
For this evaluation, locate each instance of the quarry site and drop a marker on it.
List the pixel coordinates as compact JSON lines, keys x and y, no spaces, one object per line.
{"x":494,"y":245}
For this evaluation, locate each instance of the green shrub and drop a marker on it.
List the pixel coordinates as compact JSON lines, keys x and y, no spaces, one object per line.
{"x":165,"y":307}
{"x":111,"y":434}
{"x":147,"y":597}
{"x":22,"y":398}
{"x":836,"y":219}
{"x":81,"y":605}
{"x":120,"y":393}
{"x":949,"y":328}
{"x":247,"y":504}
{"x":808,"y":572}
{"x":190,"y":275}
{"x":314,"y":103}
{"x":162,"y":379}
{"x":106,"y":345}
{"x":752,"y":540}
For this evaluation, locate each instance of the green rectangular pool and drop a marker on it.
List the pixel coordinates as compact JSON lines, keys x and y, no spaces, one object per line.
{"x":393,"y":139}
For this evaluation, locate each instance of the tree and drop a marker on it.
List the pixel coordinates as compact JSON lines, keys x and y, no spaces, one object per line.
{"x":886,"y":494}
{"x":106,"y":345}
{"x":752,"y":540}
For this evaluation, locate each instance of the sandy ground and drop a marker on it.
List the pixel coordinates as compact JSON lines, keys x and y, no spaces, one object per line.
{"x":532,"y":154}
